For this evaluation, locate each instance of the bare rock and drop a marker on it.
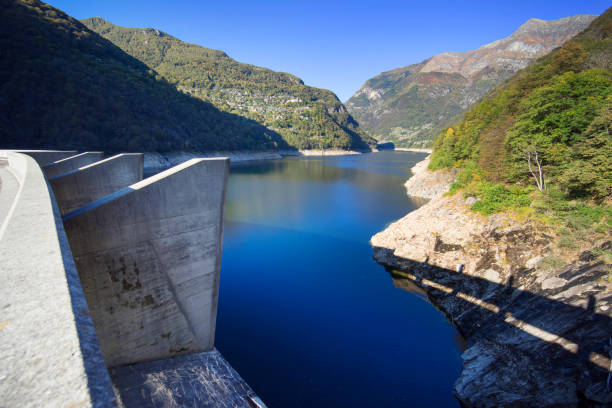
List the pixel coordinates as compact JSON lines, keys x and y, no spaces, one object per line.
{"x":429,"y":184}
{"x":535,"y":338}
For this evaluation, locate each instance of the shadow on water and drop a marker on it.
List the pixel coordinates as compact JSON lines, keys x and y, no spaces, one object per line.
{"x":557,"y":334}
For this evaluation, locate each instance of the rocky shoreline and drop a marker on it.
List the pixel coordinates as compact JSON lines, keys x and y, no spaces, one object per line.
{"x":427,"y":184}
{"x":413,"y":149}
{"x":536,"y":336}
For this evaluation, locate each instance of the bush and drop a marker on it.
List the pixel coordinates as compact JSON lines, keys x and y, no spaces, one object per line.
{"x":497,"y":197}
{"x":469,"y":174}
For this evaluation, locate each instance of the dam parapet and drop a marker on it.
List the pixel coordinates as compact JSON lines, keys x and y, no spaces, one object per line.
{"x":81,"y":186}
{"x":126,"y":283}
{"x":62,"y":166}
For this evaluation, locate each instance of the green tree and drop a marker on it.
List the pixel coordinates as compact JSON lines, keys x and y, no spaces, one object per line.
{"x":554,"y":118}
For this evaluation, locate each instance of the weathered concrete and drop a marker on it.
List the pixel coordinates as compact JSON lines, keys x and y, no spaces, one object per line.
{"x":149,"y":258}
{"x":70,"y":163}
{"x":9,"y":186}
{"x":49,"y":354}
{"x":196,"y":380}
{"x":86,"y":184}
{"x":43,"y":157}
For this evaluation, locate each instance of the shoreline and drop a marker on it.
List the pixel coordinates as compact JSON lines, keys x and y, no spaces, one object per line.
{"x":155,"y":162}
{"x":428,"y":185}
{"x":536,"y":335}
{"x":413,"y":149}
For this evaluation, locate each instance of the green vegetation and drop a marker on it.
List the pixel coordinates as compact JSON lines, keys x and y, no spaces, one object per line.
{"x":413,"y":107}
{"x":63,"y":86}
{"x":541,"y":143}
{"x":410,"y":106}
{"x":305,"y":117}
{"x":497,"y":197}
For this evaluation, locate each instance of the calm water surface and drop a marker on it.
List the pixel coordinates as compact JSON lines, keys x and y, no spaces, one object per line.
{"x":306,"y":316}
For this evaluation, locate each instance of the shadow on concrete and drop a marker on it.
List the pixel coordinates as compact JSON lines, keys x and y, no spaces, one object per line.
{"x":515,"y":329}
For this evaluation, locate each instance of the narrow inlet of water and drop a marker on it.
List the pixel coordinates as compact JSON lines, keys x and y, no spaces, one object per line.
{"x":306,"y":316}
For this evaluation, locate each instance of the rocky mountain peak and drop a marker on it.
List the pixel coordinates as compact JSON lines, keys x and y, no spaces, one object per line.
{"x":410,"y":105}
{"x":532,"y":39}
{"x":538,"y":26}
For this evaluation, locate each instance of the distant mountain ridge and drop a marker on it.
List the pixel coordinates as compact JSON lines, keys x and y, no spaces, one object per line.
{"x":411,"y":105}
{"x":305,"y":117}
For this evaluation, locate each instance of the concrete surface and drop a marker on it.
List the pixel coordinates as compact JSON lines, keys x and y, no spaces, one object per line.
{"x":148,"y":257}
{"x":9,"y":186}
{"x":43,"y":157}
{"x":195,"y":380}
{"x":70,"y":163}
{"x":49,"y":354}
{"x":89,"y":183}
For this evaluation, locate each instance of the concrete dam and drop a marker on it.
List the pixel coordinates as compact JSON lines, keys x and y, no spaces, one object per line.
{"x":110,"y":282}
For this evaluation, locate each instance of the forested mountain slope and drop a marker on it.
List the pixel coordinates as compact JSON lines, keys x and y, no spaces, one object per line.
{"x":306,"y":117}
{"x":540,"y":145}
{"x":64,"y":86}
{"x":410,"y":105}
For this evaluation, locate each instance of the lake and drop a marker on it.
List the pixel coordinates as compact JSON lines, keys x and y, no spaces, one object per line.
{"x":305,"y":315}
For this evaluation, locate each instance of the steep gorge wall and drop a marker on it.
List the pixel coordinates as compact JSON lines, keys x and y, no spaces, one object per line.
{"x":536,"y":336}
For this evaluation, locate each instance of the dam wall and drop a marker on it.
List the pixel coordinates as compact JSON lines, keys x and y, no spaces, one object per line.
{"x":70,"y":163}
{"x":149,"y":259}
{"x":131,"y":323}
{"x":43,"y":157}
{"x":49,"y":352}
{"x":86,"y":184}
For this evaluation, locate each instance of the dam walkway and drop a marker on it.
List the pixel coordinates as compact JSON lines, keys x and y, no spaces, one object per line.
{"x":87,"y":317}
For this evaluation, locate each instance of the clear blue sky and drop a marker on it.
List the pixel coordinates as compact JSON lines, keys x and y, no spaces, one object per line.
{"x":333,"y":45}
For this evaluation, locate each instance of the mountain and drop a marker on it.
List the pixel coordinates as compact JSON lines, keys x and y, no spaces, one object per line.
{"x":305,"y":117}
{"x":63,"y":86}
{"x":541,"y":143}
{"x":410,"y":105}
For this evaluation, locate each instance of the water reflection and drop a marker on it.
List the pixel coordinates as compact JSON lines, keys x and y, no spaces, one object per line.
{"x":331,"y":196}
{"x":305,"y":314}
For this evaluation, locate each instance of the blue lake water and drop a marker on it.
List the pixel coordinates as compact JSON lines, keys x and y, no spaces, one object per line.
{"x":306,"y":316}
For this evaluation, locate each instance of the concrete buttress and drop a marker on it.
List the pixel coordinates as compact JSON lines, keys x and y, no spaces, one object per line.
{"x":148,"y":258}
{"x":70,"y":163}
{"x":86,"y":184}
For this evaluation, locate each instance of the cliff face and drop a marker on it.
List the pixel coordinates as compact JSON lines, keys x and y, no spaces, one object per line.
{"x":537,"y":335}
{"x":410,"y":105}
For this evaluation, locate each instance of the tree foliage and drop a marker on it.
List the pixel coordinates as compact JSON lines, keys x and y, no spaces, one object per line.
{"x":63,"y":86}
{"x":558,"y":107}
{"x":553,"y":120}
{"x":305,"y":117}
